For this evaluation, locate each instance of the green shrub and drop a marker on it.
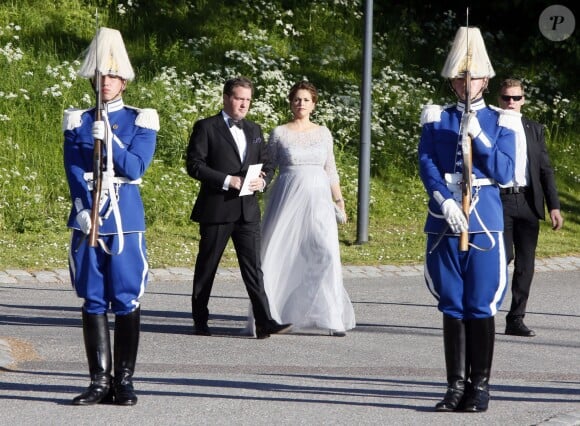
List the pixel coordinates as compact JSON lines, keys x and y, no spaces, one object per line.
{"x":184,"y":50}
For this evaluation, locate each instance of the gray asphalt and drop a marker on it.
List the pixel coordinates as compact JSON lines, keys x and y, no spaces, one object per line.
{"x":389,"y":370}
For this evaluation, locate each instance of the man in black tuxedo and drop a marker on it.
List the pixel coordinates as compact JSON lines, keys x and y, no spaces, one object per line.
{"x":221,"y":148}
{"x":523,"y":204}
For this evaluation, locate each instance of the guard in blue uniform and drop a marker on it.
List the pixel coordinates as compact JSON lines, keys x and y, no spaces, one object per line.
{"x":112,"y":275}
{"x":468,"y":284}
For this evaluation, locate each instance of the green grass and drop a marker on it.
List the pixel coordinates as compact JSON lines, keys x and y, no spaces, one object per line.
{"x":182,"y":52}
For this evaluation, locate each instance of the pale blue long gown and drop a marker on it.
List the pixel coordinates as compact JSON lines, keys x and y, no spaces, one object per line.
{"x":300,"y":249}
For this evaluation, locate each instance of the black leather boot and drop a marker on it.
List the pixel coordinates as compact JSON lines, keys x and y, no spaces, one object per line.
{"x":127,"y":329}
{"x":480,"y":340}
{"x":454,"y":344}
{"x":98,"y":349}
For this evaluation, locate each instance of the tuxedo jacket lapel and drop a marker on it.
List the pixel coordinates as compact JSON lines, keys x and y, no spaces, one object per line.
{"x":249,"y":147}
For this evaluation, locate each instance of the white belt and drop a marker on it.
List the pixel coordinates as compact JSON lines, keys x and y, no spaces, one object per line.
{"x":454,"y":180}
{"x":114,"y":179}
{"x":457,"y":179}
{"x":483,"y":182}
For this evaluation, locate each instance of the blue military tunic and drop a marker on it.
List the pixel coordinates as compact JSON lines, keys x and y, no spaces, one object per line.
{"x":468,"y":285}
{"x":102,"y":279}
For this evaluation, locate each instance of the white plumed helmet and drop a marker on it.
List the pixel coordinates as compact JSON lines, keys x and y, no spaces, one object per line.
{"x":468,"y":53}
{"x":107,"y":51}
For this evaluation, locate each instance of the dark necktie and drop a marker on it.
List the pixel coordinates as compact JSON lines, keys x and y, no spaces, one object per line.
{"x":233,"y":122}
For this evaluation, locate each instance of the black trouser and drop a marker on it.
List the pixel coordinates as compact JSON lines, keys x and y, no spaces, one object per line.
{"x":521,"y":230}
{"x":247,"y":242}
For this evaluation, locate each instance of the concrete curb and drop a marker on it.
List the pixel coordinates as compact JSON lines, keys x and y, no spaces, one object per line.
{"x":13,"y":276}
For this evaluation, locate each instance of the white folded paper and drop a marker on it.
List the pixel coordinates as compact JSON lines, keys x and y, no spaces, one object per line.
{"x":253,"y":173}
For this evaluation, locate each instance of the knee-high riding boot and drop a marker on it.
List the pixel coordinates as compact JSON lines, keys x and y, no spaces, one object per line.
{"x":480,"y":341}
{"x":98,"y":349}
{"x":454,"y":344}
{"x":127,"y":329}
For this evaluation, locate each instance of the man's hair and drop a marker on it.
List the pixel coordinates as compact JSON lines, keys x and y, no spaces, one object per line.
{"x":304,"y":85}
{"x":511,"y":82}
{"x":237,"y":82}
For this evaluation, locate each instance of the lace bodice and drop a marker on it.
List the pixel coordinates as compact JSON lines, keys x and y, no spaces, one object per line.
{"x":308,"y":148}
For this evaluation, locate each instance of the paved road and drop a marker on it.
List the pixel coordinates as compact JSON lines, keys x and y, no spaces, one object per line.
{"x":389,"y":370}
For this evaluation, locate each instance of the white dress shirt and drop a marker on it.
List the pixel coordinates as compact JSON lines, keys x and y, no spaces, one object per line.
{"x":521,"y":165}
{"x":240,"y":139}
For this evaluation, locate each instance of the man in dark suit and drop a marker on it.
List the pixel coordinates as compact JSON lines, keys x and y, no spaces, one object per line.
{"x":221,"y":148}
{"x":523,"y":204}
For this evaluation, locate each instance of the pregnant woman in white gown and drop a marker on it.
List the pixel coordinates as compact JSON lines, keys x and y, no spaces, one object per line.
{"x":300,"y":250}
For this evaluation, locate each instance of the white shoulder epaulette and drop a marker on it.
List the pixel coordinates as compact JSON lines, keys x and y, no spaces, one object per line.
{"x":507,"y":118}
{"x":431,"y":113}
{"x":72,"y":118}
{"x":147,"y":118}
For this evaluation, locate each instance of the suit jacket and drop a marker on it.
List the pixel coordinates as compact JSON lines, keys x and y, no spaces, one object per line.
{"x":541,"y":173}
{"x":212,"y":154}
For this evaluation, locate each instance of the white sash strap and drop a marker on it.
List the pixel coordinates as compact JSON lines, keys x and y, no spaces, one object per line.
{"x":116,"y":215}
{"x":453,"y":181}
{"x":109,"y":187}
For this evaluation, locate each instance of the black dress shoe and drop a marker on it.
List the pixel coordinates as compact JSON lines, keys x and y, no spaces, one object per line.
{"x":96,"y":393}
{"x":124,"y":390}
{"x":110,"y":398}
{"x":201,"y":330}
{"x":452,"y":401}
{"x":264,"y":331}
{"x":477,"y":401}
{"x":337,"y":333}
{"x":517,"y":327}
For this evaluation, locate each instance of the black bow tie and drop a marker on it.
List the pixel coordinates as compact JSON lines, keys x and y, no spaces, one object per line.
{"x":237,"y":123}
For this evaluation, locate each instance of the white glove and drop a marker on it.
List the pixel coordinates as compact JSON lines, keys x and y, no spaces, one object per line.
{"x":84,"y":220}
{"x":454,"y":216}
{"x":472,"y":124}
{"x":99,"y":130}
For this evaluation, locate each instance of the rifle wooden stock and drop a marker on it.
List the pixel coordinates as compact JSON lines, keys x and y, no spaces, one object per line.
{"x":97,"y":169}
{"x":466,"y":190}
{"x":467,"y":165}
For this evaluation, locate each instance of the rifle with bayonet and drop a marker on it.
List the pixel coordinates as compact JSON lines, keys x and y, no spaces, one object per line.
{"x":97,"y":153}
{"x":466,"y":181}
